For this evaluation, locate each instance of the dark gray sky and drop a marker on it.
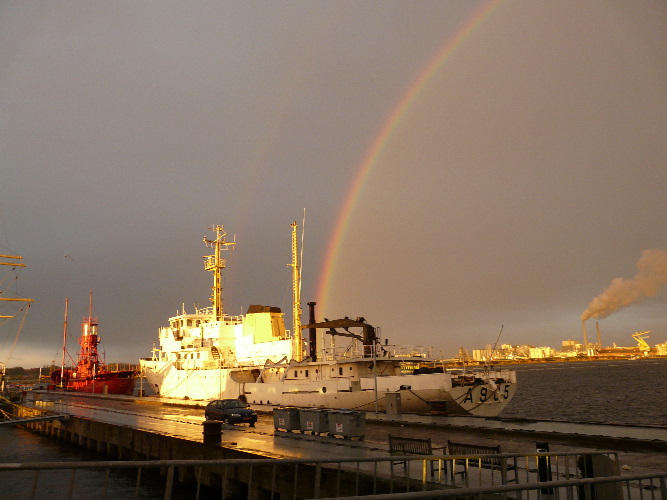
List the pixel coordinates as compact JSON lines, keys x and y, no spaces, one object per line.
{"x":527,"y":174}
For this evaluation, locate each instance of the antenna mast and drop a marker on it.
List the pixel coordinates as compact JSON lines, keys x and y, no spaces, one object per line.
{"x":297,"y":342}
{"x":215,"y":264}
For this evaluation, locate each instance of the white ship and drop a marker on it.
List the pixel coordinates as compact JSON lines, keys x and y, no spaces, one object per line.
{"x":208,"y":354}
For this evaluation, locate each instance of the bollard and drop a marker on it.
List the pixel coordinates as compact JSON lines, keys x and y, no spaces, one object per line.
{"x":212,"y":431}
{"x":544,"y":465}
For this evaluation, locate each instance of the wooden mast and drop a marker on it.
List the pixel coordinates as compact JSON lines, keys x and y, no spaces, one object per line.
{"x":12,"y":264}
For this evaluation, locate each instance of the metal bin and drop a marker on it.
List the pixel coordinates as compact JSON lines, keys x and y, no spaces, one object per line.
{"x":347,"y":423}
{"x":286,"y":418}
{"x":314,"y":420}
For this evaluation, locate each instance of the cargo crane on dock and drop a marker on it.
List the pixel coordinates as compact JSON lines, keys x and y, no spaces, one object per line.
{"x":642,"y":345}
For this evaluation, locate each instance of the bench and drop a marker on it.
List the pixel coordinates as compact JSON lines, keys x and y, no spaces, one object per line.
{"x":403,"y":446}
{"x":477,"y":451}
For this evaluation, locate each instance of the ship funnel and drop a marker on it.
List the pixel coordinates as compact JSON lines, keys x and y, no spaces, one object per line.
{"x":312,"y":332}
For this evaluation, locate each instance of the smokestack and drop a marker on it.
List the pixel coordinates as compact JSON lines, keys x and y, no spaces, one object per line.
{"x":597,"y":327}
{"x":312,"y":332}
{"x":583,"y":327}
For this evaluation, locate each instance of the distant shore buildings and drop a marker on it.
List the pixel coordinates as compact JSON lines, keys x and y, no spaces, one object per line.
{"x":569,"y":349}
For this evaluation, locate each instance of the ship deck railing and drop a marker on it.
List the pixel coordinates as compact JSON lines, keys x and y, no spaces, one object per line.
{"x":379,"y":351}
{"x":348,"y":478}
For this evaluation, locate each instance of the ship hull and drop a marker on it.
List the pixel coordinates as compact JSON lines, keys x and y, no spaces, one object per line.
{"x":418,"y":393}
{"x":119,"y":382}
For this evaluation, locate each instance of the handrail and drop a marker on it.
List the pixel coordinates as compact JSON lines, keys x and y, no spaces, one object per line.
{"x":353,"y":466}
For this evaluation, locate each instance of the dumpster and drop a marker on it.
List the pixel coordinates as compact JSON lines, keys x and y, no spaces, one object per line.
{"x":314,"y":420}
{"x":347,"y":423}
{"x":286,"y":418}
{"x":212,"y":431}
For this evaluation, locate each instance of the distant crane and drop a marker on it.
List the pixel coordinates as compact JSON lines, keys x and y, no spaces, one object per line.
{"x":641,"y":343}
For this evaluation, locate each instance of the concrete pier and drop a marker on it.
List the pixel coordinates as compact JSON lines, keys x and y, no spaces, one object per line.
{"x":125,"y":428}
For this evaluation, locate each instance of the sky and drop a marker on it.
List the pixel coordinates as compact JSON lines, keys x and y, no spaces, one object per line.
{"x":465,"y":168}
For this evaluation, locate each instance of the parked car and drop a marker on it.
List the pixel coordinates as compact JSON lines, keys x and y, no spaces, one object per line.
{"x":230,"y":411}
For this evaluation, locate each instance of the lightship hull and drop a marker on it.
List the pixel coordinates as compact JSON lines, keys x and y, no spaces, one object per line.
{"x":120,"y":382}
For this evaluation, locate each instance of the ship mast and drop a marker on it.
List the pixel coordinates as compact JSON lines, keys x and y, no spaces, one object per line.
{"x":215,"y":264}
{"x":62,"y":364}
{"x":89,"y":358}
{"x":14,"y":265}
{"x":297,"y":342}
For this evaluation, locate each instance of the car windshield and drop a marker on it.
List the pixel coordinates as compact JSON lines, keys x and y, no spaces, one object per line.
{"x":235,"y":403}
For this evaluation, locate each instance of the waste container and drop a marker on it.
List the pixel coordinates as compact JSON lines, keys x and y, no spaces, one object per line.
{"x":212,"y":431}
{"x":314,"y":420}
{"x":347,"y":423}
{"x":286,"y":418}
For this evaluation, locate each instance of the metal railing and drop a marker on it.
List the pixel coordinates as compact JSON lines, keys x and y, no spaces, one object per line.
{"x":33,"y":409}
{"x":356,"y":350}
{"x":515,"y":476}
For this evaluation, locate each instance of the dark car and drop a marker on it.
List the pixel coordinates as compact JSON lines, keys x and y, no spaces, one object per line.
{"x":230,"y":411}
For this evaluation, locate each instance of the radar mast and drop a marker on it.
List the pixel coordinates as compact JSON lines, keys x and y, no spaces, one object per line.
{"x":215,"y":264}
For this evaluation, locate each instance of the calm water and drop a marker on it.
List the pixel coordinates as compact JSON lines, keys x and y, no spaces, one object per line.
{"x":611,"y":392}
{"x":21,"y":446}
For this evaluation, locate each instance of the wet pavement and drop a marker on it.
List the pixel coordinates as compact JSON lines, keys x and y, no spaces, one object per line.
{"x":640,"y":449}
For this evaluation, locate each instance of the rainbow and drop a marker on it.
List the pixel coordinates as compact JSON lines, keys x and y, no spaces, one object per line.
{"x":381,"y":140}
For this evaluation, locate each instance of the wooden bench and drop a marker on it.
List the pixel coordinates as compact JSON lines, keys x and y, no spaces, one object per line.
{"x":403,"y":446}
{"x":477,"y":451}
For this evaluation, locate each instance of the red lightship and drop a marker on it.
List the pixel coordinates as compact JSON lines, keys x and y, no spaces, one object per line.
{"x":91,"y":374}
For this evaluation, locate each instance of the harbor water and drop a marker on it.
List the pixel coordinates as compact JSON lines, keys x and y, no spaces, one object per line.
{"x":622,"y":392}
{"x":632,"y":393}
{"x":22,"y":446}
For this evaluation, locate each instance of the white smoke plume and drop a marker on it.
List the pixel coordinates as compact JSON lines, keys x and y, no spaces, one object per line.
{"x":650,"y":279}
